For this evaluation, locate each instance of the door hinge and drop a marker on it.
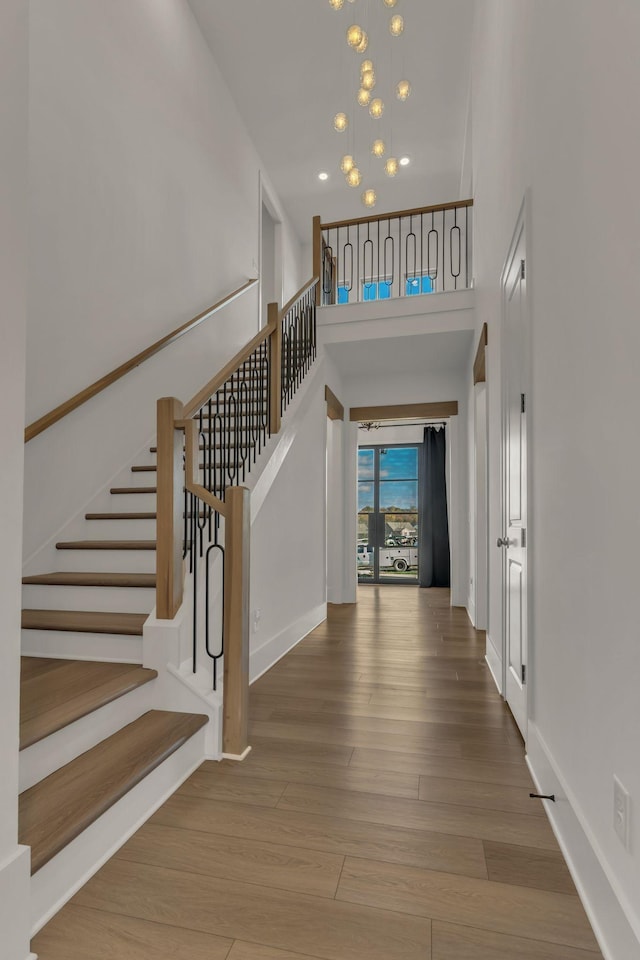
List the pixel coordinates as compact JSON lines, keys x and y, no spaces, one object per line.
{"x":523,"y":539}
{"x":524,"y":673}
{"x":522,"y":403}
{"x":522,"y":270}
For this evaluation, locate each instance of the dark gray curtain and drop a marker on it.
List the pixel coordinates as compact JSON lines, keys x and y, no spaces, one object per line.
{"x":435,"y":563}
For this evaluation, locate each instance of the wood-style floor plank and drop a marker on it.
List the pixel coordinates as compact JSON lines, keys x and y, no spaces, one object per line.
{"x":498,"y":907}
{"x":327,"y":834}
{"x":338,"y":931}
{"x":80,"y":933}
{"x":214,"y":855}
{"x":382,"y":814}
{"x":452,"y":942}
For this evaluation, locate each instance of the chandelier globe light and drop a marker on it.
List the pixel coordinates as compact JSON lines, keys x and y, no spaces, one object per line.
{"x":363,"y":97}
{"x":376,"y":108}
{"x":354,"y":35}
{"x":364,"y":43}
{"x":366,"y":65}
{"x":369,"y":198}
{"x":337,"y":4}
{"x":396,"y":25}
{"x":340,"y":122}
{"x":347,"y":164}
{"x":388,"y":3}
{"x":391,"y":167}
{"x":368,"y":80}
{"x":403,"y":90}
{"x":354,"y":177}
{"x":378,"y":148}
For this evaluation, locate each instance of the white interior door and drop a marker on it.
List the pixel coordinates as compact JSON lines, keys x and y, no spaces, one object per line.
{"x":513,"y":541}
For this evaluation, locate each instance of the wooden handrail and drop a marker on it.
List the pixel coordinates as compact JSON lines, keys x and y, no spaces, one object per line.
{"x":201,"y":397}
{"x":210,"y":388}
{"x":38,"y":426}
{"x":398,"y":214}
{"x":299,"y":295}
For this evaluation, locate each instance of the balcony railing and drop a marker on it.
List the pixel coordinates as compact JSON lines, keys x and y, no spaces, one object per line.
{"x":390,"y":255}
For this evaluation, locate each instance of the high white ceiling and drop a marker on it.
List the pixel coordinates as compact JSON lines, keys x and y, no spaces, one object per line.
{"x":290,"y":71}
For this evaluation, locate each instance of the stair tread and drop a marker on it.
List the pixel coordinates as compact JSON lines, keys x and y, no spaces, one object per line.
{"x":118,"y":490}
{"x":56,"y":810}
{"x":106,"y":545}
{"x":84,"y":621}
{"x":55,"y":692}
{"x":64,"y":578}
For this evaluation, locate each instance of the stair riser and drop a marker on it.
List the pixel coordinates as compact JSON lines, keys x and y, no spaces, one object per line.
{"x":59,"y":879}
{"x":133,"y":502}
{"x":114,"y":599}
{"x":120,"y":529}
{"x":107,"y":561}
{"x":82,"y":646}
{"x":42,"y":758}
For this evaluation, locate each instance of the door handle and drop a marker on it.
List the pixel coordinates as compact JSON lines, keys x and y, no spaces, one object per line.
{"x":503,"y":542}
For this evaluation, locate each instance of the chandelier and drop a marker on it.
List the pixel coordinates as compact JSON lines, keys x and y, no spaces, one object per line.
{"x":368,"y":131}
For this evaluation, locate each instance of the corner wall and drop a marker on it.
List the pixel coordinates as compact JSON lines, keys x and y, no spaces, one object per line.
{"x":144,"y":210}
{"x":554,"y":113}
{"x":14,"y":860}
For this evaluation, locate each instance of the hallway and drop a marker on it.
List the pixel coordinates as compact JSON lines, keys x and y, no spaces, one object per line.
{"x":383,"y":814}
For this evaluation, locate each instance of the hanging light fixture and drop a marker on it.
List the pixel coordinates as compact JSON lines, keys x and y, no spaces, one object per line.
{"x":347,"y":164}
{"x":378,"y":148}
{"x":354,"y":177}
{"x":391,"y":167}
{"x":364,"y":43}
{"x":354,"y":35}
{"x":337,"y":4}
{"x":369,"y":198}
{"x":368,"y":80}
{"x":376,"y":108}
{"x":363,"y":97}
{"x":403,"y":90}
{"x":389,"y":3}
{"x":340,"y":122}
{"x":396,"y":26}
{"x":366,"y":65}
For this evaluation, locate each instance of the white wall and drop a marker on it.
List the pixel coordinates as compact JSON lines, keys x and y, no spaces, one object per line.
{"x":144,"y":210}
{"x":14,"y":861}
{"x":288,"y":538}
{"x":395,"y":387}
{"x":554,"y":112}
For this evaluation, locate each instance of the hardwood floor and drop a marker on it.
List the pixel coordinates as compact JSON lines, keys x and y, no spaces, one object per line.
{"x":383,"y":814}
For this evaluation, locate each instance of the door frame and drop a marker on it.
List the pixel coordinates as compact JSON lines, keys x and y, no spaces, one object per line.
{"x":521,"y":232}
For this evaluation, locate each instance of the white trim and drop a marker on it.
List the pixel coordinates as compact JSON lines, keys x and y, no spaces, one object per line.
{"x":615,"y":921}
{"x":274,"y":649}
{"x":237,"y":756}
{"x":14,"y":904}
{"x":493,"y":661}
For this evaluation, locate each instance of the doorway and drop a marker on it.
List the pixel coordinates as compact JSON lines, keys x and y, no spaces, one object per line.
{"x":513,"y":539}
{"x":388,"y":513}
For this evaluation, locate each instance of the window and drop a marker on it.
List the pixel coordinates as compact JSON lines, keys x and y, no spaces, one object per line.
{"x":423,"y":284}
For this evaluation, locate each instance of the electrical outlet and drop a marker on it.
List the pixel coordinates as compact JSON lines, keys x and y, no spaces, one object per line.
{"x":621,"y":812}
{"x":256,"y":619}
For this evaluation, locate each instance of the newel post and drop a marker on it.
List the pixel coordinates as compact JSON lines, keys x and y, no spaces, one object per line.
{"x":317,"y":258}
{"x":237,"y":528}
{"x":170,"y":507}
{"x":275,"y":355}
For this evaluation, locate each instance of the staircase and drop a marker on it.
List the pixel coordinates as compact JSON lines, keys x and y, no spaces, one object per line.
{"x":99,"y":751}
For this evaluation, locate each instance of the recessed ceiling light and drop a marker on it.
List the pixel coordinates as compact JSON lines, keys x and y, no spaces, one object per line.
{"x":404,"y":161}
{"x":323,"y":176}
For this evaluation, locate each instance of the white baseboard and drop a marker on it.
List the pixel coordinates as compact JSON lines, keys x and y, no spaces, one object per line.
{"x":14,"y":904}
{"x":55,"y":883}
{"x":268,"y":653}
{"x":615,"y":921}
{"x":494,"y":662}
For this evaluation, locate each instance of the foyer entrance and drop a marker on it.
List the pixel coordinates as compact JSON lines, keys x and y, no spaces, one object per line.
{"x":388,"y":513}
